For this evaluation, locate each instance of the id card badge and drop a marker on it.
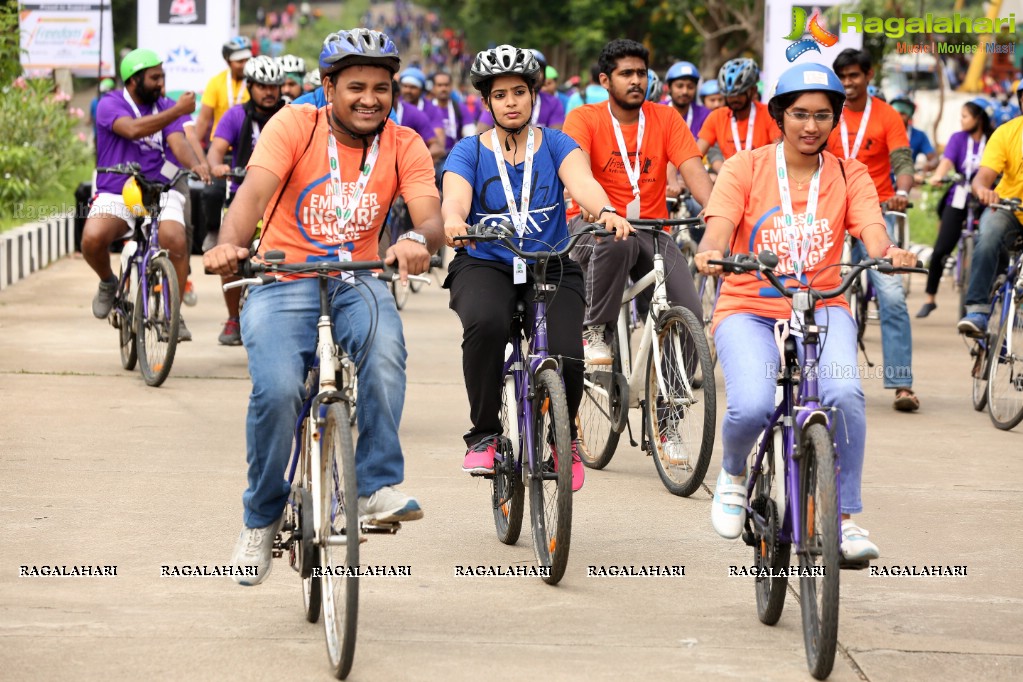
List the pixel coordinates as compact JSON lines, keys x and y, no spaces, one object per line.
{"x":345,"y":256}
{"x":632,"y":209}
{"x":169,"y":170}
{"x":519,"y":270}
{"x":959,"y":195}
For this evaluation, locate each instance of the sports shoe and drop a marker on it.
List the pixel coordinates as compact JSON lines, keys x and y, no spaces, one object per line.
{"x":183,"y":332}
{"x":578,"y":469}
{"x":672,"y":445}
{"x":254,"y":551}
{"x":232,"y":334}
{"x":974,"y":324}
{"x":595,"y":349}
{"x":389,"y":505}
{"x":104,"y":299}
{"x":728,"y":510}
{"x":855,"y":545}
{"x":190,"y":298}
{"x":479,"y":459}
{"x":926,"y":309}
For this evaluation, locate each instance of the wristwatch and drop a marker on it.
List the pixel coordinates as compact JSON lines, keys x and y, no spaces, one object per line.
{"x":607,"y":209}
{"x":414,"y":236}
{"x":902,"y":193}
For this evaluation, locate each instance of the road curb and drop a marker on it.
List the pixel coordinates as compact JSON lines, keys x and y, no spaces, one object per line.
{"x":32,"y":247}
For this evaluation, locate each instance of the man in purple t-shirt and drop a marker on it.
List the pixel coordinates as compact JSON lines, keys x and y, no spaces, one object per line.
{"x":458,"y":122}
{"x":413,"y":83}
{"x":137,"y":125}
{"x":682,"y":79}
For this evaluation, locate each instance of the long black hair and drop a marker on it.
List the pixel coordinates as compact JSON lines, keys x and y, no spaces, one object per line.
{"x":978,"y":113}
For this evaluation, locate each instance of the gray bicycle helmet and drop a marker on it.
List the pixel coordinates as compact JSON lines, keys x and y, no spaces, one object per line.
{"x":358,"y":47}
{"x":505,"y":60}
{"x":264,"y":70}
{"x":292,"y":64}
{"x":737,"y":76}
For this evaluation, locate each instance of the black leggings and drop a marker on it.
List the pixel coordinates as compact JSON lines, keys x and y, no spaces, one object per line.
{"x":951,"y":227}
{"x":484,"y":297}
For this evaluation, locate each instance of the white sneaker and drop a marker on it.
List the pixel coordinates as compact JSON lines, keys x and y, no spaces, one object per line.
{"x":673,"y":447}
{"x":595,"y":349}
{"x":855,"y":545}
{"x":389,"y":505}
{"x":728,"y":510}
{"x":254,"y":552}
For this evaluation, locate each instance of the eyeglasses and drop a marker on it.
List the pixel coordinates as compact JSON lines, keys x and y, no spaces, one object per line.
{"x":819,"y":116}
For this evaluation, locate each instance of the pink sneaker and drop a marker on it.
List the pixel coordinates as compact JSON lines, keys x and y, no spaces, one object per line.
{"x":578,"y":469}
{"x":479,"y":459}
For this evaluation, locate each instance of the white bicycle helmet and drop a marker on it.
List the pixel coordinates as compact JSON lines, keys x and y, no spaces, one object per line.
{"x":313,"y":78}
{"x":264,"y":70}
{"x":292,"y":64}
{"x":505,"y":60}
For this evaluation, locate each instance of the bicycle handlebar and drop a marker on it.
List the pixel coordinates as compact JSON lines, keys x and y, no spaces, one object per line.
{"x":253,"y":273}
{"x":1011,"y":204}
{"x":135,"y":170}
{"x":504,"y":232}
{"x":236,"y":173}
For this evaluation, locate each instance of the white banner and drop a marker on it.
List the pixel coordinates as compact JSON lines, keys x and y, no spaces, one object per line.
{"x":188,"y":34}
{"x":57,"y":34}
{"x":781,"y":52}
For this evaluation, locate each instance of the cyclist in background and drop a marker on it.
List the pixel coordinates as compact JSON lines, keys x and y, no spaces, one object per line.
{"x":308,"y":160}
{"x":873,"y":133}
{"x":413,"y":85}
{"x":919,"y":143}
{"x":771,"y":187}
{"x":594,"y":93}
{"x":710,"y":95}
{"x":458,"y":122}
{"x":682,"y":79}
{"x":294,"y":75}
{"x":311,"y":82}
{"x":744,"y":123}
{"x":963,"y":154}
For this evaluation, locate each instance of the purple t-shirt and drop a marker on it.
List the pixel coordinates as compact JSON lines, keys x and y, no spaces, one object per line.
{"x":112,"y":149}
{"x":433,"y":114}
{"x":552,"y":112}
{"x":410,"y":117}
{"x":453,"y":114}
{"x":700,"y":114}
{"x":956,"y":151}
{"x":229,"y":129}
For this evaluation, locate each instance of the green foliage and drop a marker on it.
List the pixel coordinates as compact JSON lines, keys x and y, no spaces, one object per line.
{"x":10,"y":42}
{"x":308,"y":41}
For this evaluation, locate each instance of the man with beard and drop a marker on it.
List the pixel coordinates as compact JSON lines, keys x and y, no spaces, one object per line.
{"x":125,"y":134}
{"x":744,"y":123}
{"x":458,"y":123}
{"x":294,"y":75}
{"x":630,"y":143}
{"x":239,"y":129}
{"x":682,"y":79}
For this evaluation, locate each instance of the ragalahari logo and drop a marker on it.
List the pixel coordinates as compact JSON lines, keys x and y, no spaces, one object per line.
{"x":819,"y":35}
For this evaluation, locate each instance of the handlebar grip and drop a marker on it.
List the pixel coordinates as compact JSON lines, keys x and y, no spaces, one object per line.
{"x":436,"y":262}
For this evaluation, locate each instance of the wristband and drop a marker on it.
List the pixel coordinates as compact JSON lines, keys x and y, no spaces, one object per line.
{"x":902,"y":193}
{"x":890,"y":247}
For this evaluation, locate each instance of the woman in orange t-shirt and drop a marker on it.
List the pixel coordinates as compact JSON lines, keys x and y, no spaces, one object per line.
{"x":840,"y":198}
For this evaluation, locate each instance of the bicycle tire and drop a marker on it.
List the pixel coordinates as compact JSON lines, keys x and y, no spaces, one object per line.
{"x":1005,"y":402}
{"x":709,"y":288}
{"x":124,"y":309}
{"x":678,"y":333}
{"x":340,"y":493}
{"x":981,"y":354}
{"x":964,"y":275}
{"x":400,"y":294}
{"x":818,"y":511}
{"x":601,"y":410}
{"x":550,"y":499}
{"x":157,"y":328}
{"x":768,"y":551}
{"x":862,"y":310}
{"x":508,"y":492}
{"x":303,"y":553}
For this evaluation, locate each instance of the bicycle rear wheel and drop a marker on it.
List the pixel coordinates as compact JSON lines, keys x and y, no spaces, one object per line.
{"x":1005,"y":380}
{"x":680,"y":419}
{"x":124,"y":319}
{"x":340,"y":562}
{"x":769,"y":553}
{"x":508,"y":492}
{"x":708,"y":287}
{"x":819,"y":558}
{"x":963,"y":282}
{"x":981,"y":354}
{"x":603,"y":411}
{"x":156,"y":316}
{"x":550,"y":480}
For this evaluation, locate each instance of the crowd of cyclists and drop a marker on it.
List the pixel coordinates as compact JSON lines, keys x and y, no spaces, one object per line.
{"x":330,"y":144}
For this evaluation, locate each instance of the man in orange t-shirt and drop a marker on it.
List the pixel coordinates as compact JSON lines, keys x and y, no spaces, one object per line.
{"x":304,"y":180}
{"x":635,"y":182}
{"x":744,"y":123}
{"x":871,"y":132}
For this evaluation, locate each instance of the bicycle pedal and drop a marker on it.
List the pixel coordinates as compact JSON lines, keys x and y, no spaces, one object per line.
{"x":277,"y":553}
{"x":851,"y":565}
{"x":480,"y":474}
{"x":748,"y":538}
{"x":390,"y":528}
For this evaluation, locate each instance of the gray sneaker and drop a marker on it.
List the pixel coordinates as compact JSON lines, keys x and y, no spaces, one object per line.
{"x":232,"y":334}
{"x":184,"y":334}
{"x":595,"y":349}
{"x":389,"y":505}
{"x":253,"y":553}
{"x":104,"y":299}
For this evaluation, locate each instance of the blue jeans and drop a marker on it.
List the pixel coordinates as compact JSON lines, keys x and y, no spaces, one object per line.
{"x":896,"y":332}
{"x":749,"y":361}
{"x":279,"y":331}
{"x":997,"y":229}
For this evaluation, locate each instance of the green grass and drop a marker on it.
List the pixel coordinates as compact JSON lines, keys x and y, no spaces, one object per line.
{"x":923,"y":218}
{"x":309,"y":40}
{"x":55,"y":200}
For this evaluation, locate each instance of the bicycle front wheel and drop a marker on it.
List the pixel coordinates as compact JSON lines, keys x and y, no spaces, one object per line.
{"x":550,"y":477}
{"x":981,"y":354}
{"x":819,"y":556}
{"x":603,"y":410}
{"x":680,"y":419}
{"x":156,"y":316}
{"x":339,"y":562}
{"x":1005,"y":379}
{"x":770,"y":555}
{"x":400,"y":294}
{"x":124,"y":314}
{"x":508,"y":493}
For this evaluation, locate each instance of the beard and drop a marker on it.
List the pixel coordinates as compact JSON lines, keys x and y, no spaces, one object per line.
{"x":628,"y":106}
{"x":147,"y":96}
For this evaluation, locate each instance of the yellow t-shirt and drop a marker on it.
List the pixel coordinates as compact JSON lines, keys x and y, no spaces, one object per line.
{"x":216,"y":95}
{"x":1003,"y":154}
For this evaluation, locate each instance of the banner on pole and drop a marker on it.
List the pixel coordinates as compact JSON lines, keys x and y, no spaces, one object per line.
{"x":799,"y":32}
{"x":56,"y":34}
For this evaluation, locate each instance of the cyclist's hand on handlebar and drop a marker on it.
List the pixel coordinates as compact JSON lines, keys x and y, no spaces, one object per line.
{"x":673,"y":190}
{"x":223,"y":259}
{"x":709,"y":269}
{"x":458,"y":229}
{"x":613,"y":222}
{"x":220,"y":170}
{"x":897,"y":203}
{"x":901,"y":258}
{"x":988,"y":196}
{"x":202,"y":169}
{"x":409,"y":257}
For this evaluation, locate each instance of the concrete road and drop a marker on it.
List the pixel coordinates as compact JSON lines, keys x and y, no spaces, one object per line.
{"x":98,"y":469}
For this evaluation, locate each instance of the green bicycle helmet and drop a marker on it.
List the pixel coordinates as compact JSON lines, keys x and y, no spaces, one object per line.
{"x":138,"y":60}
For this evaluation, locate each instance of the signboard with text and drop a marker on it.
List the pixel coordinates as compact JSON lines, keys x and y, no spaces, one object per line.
{"x":63,"y":35}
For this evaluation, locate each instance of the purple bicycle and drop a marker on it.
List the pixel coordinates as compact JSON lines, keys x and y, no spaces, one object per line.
{"x":792,"y":498}
{"x":534,"y":418}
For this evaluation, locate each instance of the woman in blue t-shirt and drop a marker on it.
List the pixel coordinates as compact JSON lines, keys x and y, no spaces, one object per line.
{"x":483,"y":288}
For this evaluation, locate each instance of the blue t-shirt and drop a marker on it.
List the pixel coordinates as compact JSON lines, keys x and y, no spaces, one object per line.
{"x":489,"y":204}
{"x":919,"y":143}
{"x":316,"y":98}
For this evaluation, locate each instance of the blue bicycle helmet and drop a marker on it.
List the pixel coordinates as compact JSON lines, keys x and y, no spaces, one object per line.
{"x":709,"y":88}
{"x":237,"y":48}
{"x":806,"y":78}
{"x":682,"y":70}
{"x":358,"y":47}
{"x":539,"y":57}
{"x":737,"y":76}
{"x":985,"y":105}
{"x":654,"y":88}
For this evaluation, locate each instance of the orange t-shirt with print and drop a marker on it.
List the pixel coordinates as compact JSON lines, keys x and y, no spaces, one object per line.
{"x":300,"y":218}
{"x":717,"y":129}
{"x":746,"y":194}
{"x":885,"y":132}
{"x":666,"y":138}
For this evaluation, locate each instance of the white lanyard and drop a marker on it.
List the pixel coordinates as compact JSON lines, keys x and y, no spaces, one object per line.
{"x":519,"y":216}
{"x":255,"y":133}
{"x":536,"y":109}
{"x":400,"y":111}
{"x":859,"y":133}
{"x":154,"y":141}
{"x":973,"y":160}
{"x":346,"y":209}
{"x":231,"y":101}
{"x":689,"y":121}
{"x":798,"y":238}
{"x":749,"y":128}
{"x":632,"y":173}
{"x":451,"y":124}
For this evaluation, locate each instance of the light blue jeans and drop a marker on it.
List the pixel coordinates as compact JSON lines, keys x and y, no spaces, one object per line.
{"x":749,"y":361}
{"x":896,"y":332}
{"x":279,"y":331}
